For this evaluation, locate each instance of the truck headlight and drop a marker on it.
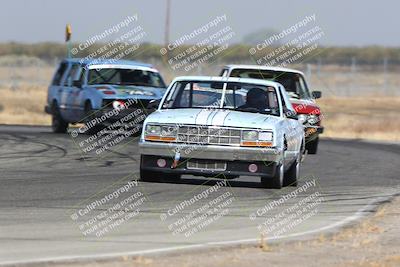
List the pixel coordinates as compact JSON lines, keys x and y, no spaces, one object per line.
{"x":159,"y":133}
{"x":265,"y":136}
{"x":153,"y":129}
{"x":256,"y":138}
{"x":249,"y":135}
{"x":169,"y":131}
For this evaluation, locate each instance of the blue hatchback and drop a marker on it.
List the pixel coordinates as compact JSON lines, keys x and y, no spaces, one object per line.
{"x":101,"y":91}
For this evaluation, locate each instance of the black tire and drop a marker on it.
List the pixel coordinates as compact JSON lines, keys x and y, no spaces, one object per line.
{"x":293,"y":173}
{"x":154,"y":176}
{"x":149,"y":176}
{"x":58,"y":124}
{"x":276,"y":181}
{"x":171,"y":177}
{"x":312,"y":146}
{"x":89,"y":115}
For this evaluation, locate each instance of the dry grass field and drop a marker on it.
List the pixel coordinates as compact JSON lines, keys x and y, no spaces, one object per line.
{"x":23,"y":106}
{"x":362,"y":117}
{"x":355,"y":114}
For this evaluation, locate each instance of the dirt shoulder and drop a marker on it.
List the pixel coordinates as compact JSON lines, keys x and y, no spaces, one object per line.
{"x":373,"y":241}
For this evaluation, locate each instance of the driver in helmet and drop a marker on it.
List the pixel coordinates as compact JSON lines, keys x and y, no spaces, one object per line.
{"x":256,"y":99}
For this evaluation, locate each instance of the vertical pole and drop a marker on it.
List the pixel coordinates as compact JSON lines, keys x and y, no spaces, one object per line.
{"x":385,"y":87}
{"x":353,"y":64}
{"x":68,"y":49}
{"x":167,"y":21}
{"x":165,"y":55}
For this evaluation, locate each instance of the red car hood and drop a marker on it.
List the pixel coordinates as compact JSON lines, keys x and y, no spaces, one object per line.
{"x":305,"y":106}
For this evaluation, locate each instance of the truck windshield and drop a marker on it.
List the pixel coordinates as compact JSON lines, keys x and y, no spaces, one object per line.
{"x":294,"y":83}
{"x":125,"y":77}
{"x":238,"y":96}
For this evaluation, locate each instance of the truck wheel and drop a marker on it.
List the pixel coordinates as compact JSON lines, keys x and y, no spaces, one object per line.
{"x":170,"y":177}
{"x":153,"y":176}
{"x":149,"y":176}
{"x":275,"y":181}
{"x":293,"y":173}
{"x":58,"y":124}
{"x":312,"y":146}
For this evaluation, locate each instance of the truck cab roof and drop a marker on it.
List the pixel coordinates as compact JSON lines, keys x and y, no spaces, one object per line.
{"x":258,"y":67}
{"x":95,"y":61}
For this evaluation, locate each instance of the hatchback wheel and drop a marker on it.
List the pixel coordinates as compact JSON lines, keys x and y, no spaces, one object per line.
{"x":58,"y":124}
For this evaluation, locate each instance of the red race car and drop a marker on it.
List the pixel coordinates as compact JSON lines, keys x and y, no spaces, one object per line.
{"x":300,"y":96}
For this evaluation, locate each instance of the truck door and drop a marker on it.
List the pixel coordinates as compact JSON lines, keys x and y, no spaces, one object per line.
{"x":63,"y":92}
{"x":76,"y":92}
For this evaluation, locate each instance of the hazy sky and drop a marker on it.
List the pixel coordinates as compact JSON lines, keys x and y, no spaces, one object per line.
{"x":351,"y":22}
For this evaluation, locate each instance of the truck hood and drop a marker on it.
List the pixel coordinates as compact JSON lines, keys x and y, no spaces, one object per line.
{"x":305,"y":106}
{"x":214,"y":117}
{"x":130,"y":91}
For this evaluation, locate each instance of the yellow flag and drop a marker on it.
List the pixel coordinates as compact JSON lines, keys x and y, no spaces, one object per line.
{"x":68,"y":32}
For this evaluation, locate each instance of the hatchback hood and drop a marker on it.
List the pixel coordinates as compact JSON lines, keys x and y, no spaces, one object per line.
{"x":305,"y":106}
{"x":131,"y":91}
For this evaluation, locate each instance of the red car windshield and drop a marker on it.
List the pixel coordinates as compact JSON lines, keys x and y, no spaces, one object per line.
{"x":294,"y":83}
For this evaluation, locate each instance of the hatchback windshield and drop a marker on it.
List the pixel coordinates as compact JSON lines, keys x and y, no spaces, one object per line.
{"x":293,"y":82}
{"x":238,"y":96}
{"x":125,"y":77}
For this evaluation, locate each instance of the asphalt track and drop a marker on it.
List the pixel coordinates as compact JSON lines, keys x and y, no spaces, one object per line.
{"x":46,"y":180}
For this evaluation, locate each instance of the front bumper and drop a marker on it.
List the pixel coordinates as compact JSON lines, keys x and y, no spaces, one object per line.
{"x":311,"y":131}
{"x":232,"y":170}
{"x":126,"y":115}
{"x":215,"y":152}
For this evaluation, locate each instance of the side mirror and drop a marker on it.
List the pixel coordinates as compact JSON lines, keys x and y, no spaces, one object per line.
{"x":77,"y":84}
{"x":153,"y":104}
{"x":316,"y":94}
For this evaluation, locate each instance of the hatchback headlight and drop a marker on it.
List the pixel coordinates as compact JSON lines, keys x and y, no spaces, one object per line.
{"x":256,"y":138}
{"x":302,"y":118}
{"x":312,"y":119}
{"x":159,"y":133}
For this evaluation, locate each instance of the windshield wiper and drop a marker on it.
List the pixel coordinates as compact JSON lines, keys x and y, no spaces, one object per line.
{"x":256,"y":110}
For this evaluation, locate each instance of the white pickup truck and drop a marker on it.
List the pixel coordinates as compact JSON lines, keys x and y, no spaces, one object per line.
{"x":223,"y":128}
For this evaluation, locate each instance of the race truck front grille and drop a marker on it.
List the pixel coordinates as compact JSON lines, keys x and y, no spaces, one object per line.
{"x":212,"y":135}
{"x":206,"y":165}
